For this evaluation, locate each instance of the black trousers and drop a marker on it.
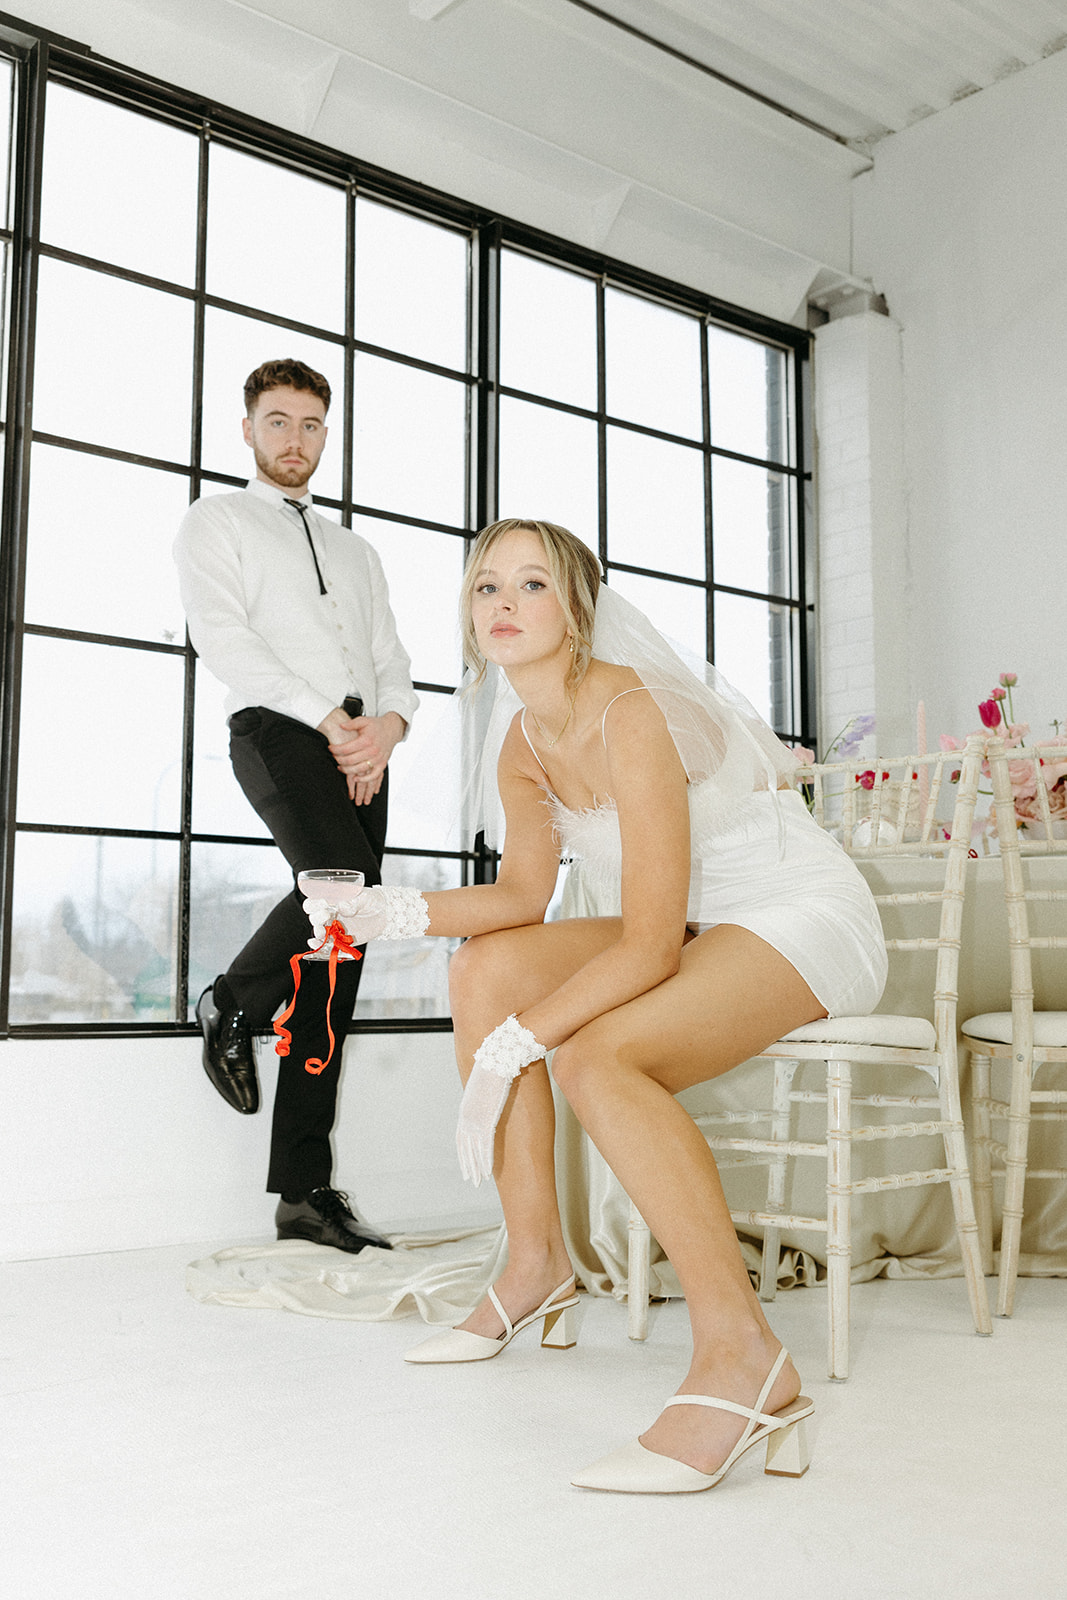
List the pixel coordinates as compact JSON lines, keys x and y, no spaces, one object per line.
{"x":289,"y":776}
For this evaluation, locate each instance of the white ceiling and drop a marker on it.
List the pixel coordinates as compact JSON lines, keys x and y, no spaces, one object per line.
{"x":861,"y":68}
{"x":546,"y":113}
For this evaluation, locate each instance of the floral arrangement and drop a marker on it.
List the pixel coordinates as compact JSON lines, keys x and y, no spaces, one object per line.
{"x":997,"y":714}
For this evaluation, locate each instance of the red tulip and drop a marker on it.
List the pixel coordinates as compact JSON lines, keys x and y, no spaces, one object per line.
{"x":989,"y":712}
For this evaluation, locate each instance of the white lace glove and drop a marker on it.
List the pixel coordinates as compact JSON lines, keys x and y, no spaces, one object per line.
{"x":498,"y":1061}
{"x":385,"y":912}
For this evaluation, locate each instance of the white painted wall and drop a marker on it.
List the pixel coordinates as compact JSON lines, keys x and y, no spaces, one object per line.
{"x":962,"y":226}
{"x":118,"y":1144}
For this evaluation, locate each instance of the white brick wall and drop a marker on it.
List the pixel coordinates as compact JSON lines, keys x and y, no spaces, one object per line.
{"x":862,"y":591}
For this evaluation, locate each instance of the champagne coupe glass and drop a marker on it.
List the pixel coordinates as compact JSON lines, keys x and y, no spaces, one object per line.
{"x":335,"y":885}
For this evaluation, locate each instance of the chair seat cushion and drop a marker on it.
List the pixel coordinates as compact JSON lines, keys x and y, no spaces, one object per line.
{"x":908,"y":1033}
{"x":1050,"y":1027}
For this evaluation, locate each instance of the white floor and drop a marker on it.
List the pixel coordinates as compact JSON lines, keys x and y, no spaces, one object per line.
{"x":161,"y":1449}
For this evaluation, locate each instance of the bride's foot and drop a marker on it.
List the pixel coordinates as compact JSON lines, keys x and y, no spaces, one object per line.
{"x":703,"y":1437}
{"x":466,"y":1343}
{"x":519,"y":1292}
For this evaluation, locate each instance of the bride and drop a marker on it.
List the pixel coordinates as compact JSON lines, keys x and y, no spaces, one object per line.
{"x":739,"y":920}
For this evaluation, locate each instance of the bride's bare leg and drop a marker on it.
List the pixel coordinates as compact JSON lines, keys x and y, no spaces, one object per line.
{"x":491,"y":977}
{"x":732,"y":996}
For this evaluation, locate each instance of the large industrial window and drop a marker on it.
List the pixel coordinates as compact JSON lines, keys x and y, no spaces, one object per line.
{"x":477,"y":370}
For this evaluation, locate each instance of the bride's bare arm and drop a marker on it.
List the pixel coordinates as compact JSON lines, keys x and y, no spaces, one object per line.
{"x":528,"y":868}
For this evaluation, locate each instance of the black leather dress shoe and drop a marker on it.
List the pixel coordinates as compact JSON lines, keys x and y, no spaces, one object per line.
{"x":228,"y":1057}
{"x":325,"y":1217}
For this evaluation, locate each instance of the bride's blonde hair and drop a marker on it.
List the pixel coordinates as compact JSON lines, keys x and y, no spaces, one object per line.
{"x":575,"y":574}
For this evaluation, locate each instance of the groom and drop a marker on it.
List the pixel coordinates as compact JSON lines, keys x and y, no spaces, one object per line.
{"x":291,"y":612}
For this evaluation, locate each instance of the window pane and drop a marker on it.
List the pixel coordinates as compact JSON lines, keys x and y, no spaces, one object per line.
{"x":547,"y":330}
{"x":119,"y":186}
{"x":409,"y":449}
{"x":276,"y":240}
{"x":408,"y":978}
{"x":753,"y":527}
{"x":677,"y":609}
{"x":756,"y":646}
{"x":219,"y":804}
{"x":113,"y":363}
{"x":655,"y":503}
{"x":424,"y":780}
{"x":7,"y":73}
{"x":234,"y":347}
{"x":653,"y":365}
{"x":118,"y":767}
{"x":5,"y":259}
{"x":232,"y":888}
{"x":424,"y":571}
{"x":411,"y":285}
{"x":100,"y":534}
{"x":751,"y":409}
{"x":95,"y":929}
{"x":548,"y":467}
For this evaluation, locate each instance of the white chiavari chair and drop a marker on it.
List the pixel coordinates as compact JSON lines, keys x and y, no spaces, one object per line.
{"x":895,"y":818}
{"x":1028,"y":1040}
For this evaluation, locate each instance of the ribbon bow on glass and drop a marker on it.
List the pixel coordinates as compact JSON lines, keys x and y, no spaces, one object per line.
{"x":340,"y":943}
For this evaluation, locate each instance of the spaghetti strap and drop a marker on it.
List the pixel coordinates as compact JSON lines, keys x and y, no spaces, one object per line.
{"x":529,"y":741}
{"x":639,"y":690}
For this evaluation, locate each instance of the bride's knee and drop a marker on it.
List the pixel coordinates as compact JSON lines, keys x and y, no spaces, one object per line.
{"x":475,"y":969}
{"x":577,"y":1066}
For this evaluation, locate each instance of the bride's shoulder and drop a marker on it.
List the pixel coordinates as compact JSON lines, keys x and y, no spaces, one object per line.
{"x":609,"y":680}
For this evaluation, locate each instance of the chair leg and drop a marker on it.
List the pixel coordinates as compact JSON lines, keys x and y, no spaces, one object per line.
{"x":1022,"y":1076}
{"x":781,"y":1118}
{"x":638,"y":1255}
{"x":963,"y":1197}
{"x":838,"y":1211}
{"x":982,"y":1167}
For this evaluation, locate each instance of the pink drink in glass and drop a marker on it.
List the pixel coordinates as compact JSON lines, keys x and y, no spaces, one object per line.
{"x":335,"y":885}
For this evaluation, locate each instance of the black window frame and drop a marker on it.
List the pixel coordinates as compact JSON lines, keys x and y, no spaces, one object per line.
{"x":41,"y":58}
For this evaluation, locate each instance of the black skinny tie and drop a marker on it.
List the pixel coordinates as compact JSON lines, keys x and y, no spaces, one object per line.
{"x":298,"y":505}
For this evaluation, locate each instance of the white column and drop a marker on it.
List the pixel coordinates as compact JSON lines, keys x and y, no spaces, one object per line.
{"x":863,"y":572}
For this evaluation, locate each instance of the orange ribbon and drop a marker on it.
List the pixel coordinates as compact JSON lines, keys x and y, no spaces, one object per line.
{"x":338,"y":940}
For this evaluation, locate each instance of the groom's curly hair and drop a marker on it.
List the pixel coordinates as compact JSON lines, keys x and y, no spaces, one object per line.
{"x":287,"y":374}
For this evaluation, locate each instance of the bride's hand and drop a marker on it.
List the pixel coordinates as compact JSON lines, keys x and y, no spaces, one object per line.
{"x":381,"y":912}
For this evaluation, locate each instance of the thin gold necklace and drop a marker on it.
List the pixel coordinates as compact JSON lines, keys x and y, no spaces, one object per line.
{"x":551,"y":743}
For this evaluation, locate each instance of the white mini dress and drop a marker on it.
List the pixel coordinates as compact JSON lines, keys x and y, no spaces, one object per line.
{"x":766,"y":866}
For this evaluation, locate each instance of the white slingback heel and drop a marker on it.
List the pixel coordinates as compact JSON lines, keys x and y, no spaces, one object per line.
{"x":633,"y":1469}
{"x":457,"y":1344}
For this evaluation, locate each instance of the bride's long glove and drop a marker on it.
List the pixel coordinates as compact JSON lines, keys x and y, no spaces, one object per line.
{"x":386,"y":911}
{"x":498,"y":1061}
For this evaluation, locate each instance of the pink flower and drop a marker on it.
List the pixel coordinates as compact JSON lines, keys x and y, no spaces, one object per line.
{"x":947,"y":742}
{"x":998,"y":694}
{"x":989,"y":712}
{"x":805,"y":756}
{"x":1009,"y":679}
